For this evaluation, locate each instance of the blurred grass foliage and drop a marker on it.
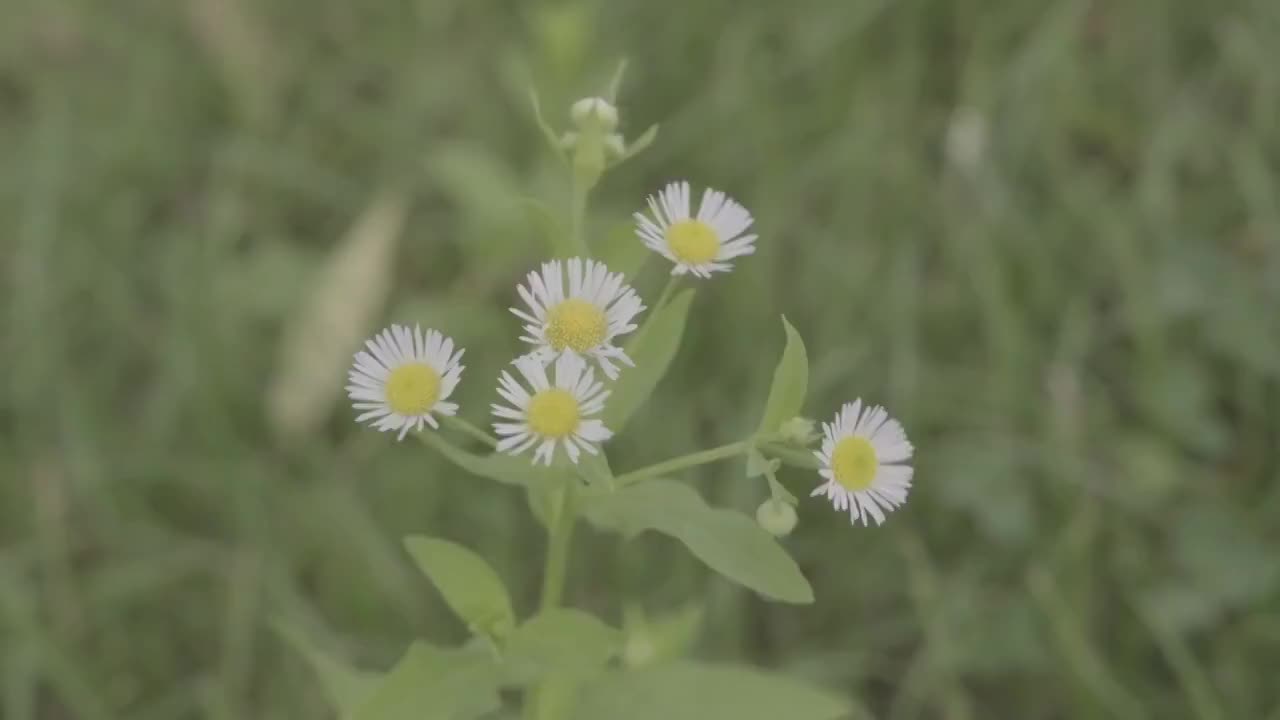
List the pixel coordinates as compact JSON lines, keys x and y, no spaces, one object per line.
{"x":1046,"y":234}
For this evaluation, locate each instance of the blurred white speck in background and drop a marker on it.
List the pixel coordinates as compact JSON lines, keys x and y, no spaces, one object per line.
{"x":966,"y":141}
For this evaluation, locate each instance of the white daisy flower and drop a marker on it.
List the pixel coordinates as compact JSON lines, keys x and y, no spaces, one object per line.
{"x":585,"y":319}
{"x":551,"y":412}
{"x":861,"y":454}
{"x":404,"y":379}
{"x":700,"y":245}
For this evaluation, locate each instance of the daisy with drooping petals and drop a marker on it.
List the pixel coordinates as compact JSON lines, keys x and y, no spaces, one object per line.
{"x":597,"y":307}
{"x":404,"y":379}
{"x":550,"y":412}
{"x":700,"y":244}
{"x":861,"y":456}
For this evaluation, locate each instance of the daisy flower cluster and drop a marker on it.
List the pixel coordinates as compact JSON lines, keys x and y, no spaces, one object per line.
{"x":575,"y":313}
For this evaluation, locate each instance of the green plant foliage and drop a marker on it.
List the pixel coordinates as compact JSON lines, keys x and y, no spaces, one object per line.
{"x":468,"y":584}
{"x":655,"y":345}
{"x":790,"y":382}
{"x":1042,"y":234}
{"x":694,"y":691}
{"x":727,"y":541}
{"x":348,"y":687}
{"x":431,"y":683}
{"x":559,"y":641}
{"x":504,"y":468}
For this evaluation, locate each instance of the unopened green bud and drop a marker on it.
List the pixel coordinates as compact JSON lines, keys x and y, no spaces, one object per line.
{"x":798,"y":431}
{"x":777,"y":517}
{"x":594,"y":114}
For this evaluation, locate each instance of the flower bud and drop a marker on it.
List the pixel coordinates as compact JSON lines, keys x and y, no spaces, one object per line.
{"x":777,"y":517}
{"x":798,"y":431}
{"x":594,"y":113}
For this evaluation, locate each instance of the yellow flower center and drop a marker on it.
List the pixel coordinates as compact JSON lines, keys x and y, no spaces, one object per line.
{"x":854,"y":463}
{"x":693,"y":242}
{"x":576,"y":324}
{"x":553,"y":413}
{"x":413,"y":389}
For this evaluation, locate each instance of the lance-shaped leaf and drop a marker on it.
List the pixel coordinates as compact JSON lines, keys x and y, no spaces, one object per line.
{"x":432,"y":683}
{"x":790,"y":382}
{"x":652,"y":350}
{"x":727,"y":541}
{"x":469,"y":585}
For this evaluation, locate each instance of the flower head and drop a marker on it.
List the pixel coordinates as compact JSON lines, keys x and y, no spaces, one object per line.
{"x":597,"y":307}
{"x":700,"y":244}
{"x":861,"y":456}
{"x":404,"y":379}
{"x":550,"y":412}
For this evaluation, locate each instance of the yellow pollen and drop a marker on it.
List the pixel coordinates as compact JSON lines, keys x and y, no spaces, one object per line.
{"x":576,"y":324}
{"x":693,"y":242}
{"x":553,"y":413}
{"x":413,"y":389}
{"x":854,"y":463}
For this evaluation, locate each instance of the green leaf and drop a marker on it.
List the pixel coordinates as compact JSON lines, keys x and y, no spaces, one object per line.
{"x":469,"y":585}
{"x":696,"y":691}
{"x":347,"y":686}
{"x":594,"y":469}
{"x":727,"y":541}
{"x":652,"y":351}
{"x":430,"y":683}
{"x":508,"y":469}
{"x":663,"y":637}
{"x":790,"y":382}
{"x":541,"y":505}
{"x":558,"y":641}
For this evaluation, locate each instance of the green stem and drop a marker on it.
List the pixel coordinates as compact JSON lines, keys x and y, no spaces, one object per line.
{"x":559,"y":535}
{"x":467,"y":428}
{"x":577,"y":219}
{"x":668,"y":290}
{"x":684,"y":461}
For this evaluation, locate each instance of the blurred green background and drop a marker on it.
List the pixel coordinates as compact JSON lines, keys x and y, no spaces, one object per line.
{"x":1045,"y":234}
